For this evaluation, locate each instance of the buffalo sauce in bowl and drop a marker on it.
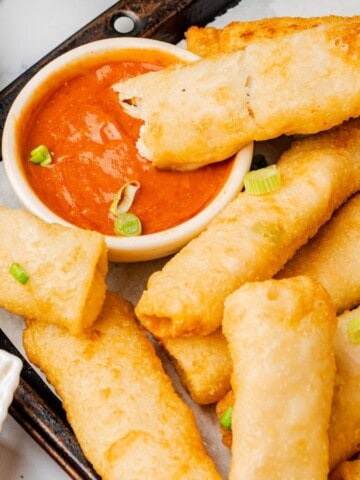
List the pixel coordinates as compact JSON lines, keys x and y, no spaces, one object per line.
{"x":92,"y":141}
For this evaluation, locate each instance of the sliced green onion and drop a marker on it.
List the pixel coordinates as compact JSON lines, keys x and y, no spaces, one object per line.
{"x":264,"y":180}
{"x":128,"y":225}
{"x":18,"y":272}
{"x":40,"y":156}
{"x":226,"y":418}
{"x":353,"y":329}
{"x":124,"y":198}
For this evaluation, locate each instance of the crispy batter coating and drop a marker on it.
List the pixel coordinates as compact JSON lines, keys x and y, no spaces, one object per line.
{"x":280,"y":335}
{"x":203,"y":363}
{"x":331,"y":257}
{"x":122,"y":406}
{"x":66,"y":266}
{"x":205,"y":41}
{"x":254,"y":236}
{"x":349,"y":470}
{"x":344,"y":430}
{"x":299,"y":83}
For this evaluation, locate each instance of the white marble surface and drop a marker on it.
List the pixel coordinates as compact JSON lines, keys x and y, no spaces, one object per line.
{"x":28,"y":30}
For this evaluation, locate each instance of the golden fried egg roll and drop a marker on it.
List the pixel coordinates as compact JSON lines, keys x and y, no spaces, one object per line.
{"x":300,"y":83}
{"x":280,"y":335}
{"x":120,"y":403}
{"x":328,"y":257}
{"x":331,"y":257}
{"x":66,"y":269}
{"x":203,"y":363}
{"x":344,"y":430}
{"x":205,"y":41}
{"x":254,"y":236}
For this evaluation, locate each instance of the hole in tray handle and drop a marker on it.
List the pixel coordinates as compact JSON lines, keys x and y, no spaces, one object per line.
{"x":125,"y":23}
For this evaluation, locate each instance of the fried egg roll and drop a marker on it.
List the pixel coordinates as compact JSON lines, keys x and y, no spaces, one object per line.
{"x":122,"y":406}
{"x":328,"y":257}
{"x":229,"y":100}
{"x":344,"y":430}
{"x":203,"y":364}
{"x":280,"y":335}
{"x":66,"y":269}
{"x":254,"y":236}
{"x":205,"y":41}
{"x":331,"y":257}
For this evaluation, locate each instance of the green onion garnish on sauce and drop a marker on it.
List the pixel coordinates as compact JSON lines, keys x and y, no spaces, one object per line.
{"x":226,"y":418}
{"x":264,"y":180}
{"x":40,"y":156}
{"x":353,"y":329}
{"x":124,"y":198}
{"x":18,"y":272}
{"x":128,"y":225}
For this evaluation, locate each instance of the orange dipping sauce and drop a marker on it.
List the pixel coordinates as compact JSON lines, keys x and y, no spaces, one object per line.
{"x":92,"y":142}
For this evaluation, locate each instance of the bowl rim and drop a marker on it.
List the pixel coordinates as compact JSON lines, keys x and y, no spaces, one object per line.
{"x":124,"y":249}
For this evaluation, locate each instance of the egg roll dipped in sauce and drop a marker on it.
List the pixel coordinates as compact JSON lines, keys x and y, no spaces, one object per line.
{"x":302,"y":82}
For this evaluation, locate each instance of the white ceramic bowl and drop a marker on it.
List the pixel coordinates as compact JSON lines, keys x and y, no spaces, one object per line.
{"x":121,"y":249}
